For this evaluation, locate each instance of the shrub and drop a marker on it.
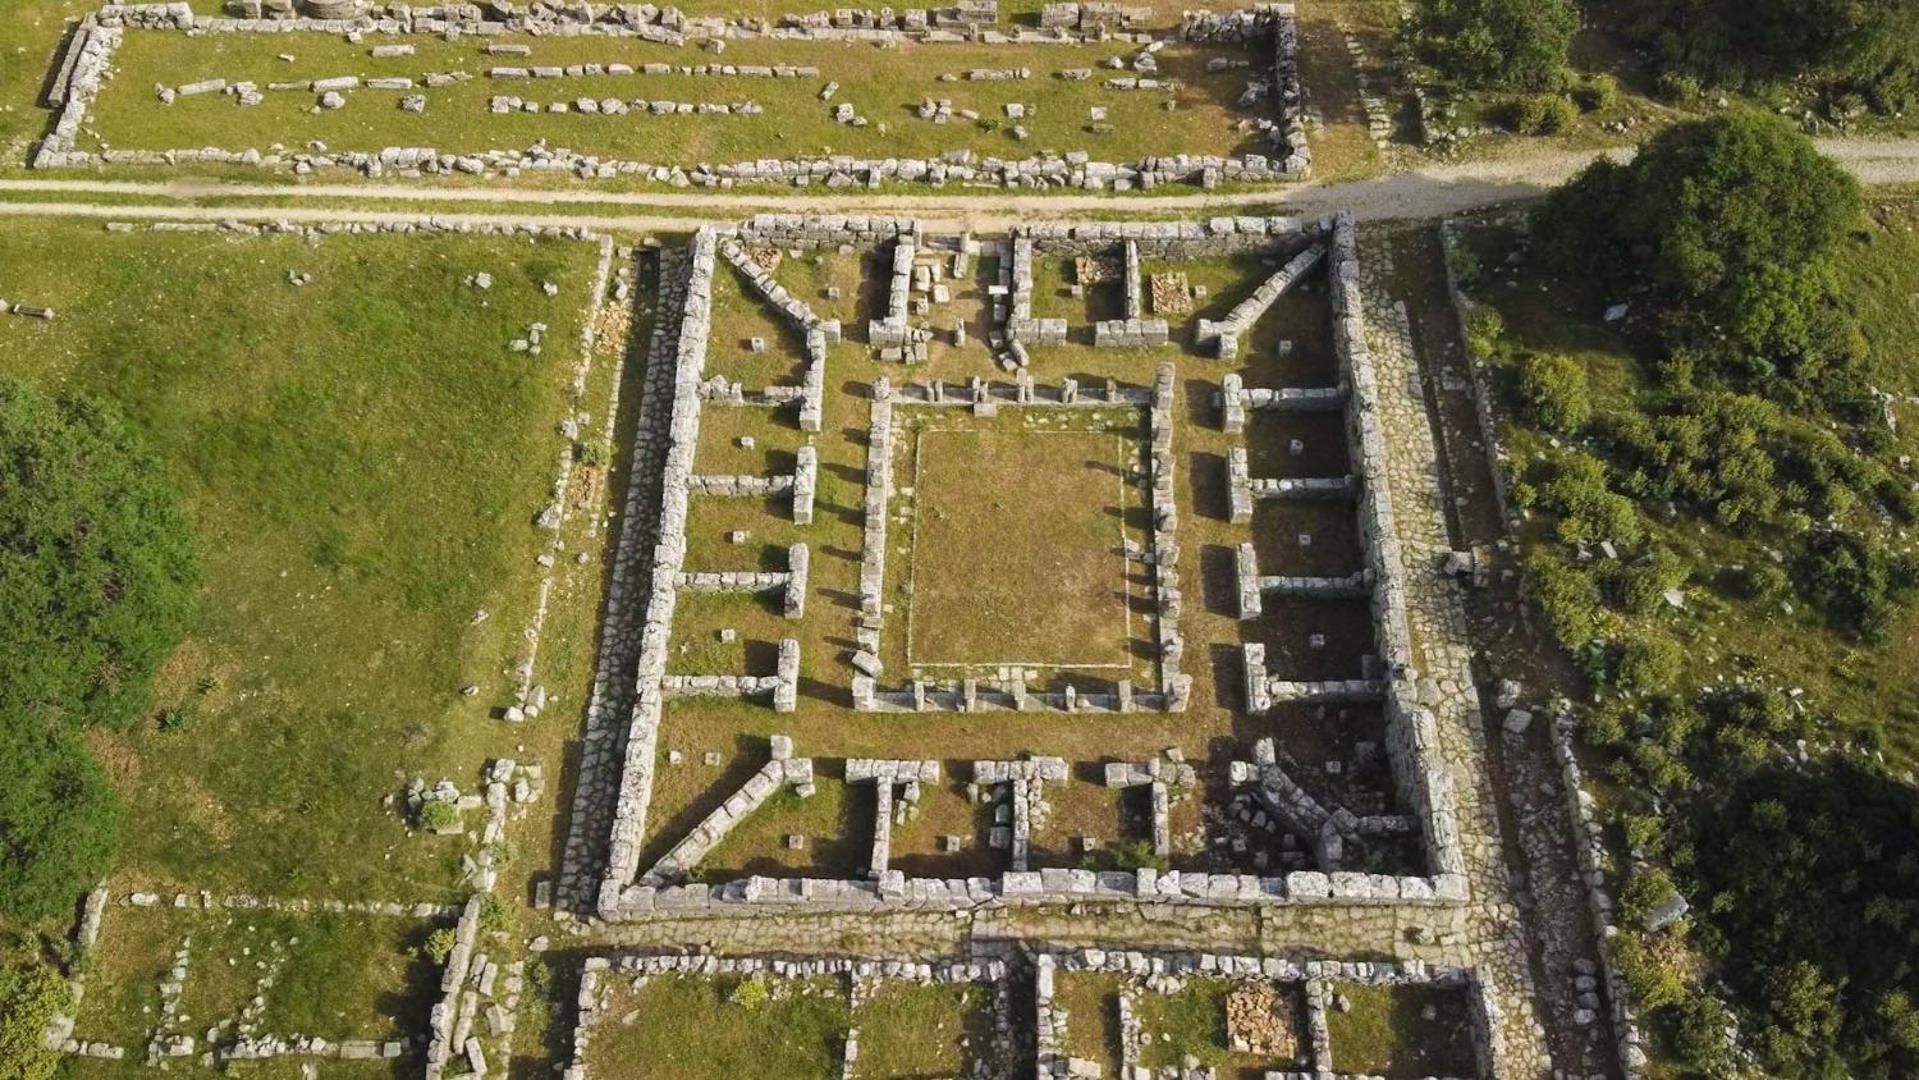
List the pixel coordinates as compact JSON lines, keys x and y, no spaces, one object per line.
{"x":1504,"y":44}
{"x":1484,"y":326}
{"x":97,"y":571}
{"x":31,"y":993}
{"x":1556,"y":115}
{"x":1651,"y":965}
{"x":1640,"y":587}
{"x":1871,"y":46}
{"x":1764,"y":580}
{"x":1523,"y":114}
{"x":436,"y":815}
{"x":497,"y":916}
{"x":172,"y":720}
{"x":1566,"y":595}
{"x":1572,"y":484}
{"x":1135,"y":854}
{"x":1649,"y":663}
{"x":1861,"y":587}
{"x":1554,"y":390}
{"x":1705,"y":1039}
{"x":1598,"y":93}
{"x":59,"y":821}
{"x":439,"y":944}
{"x":1647,"y":888}
{"x":1678,"y":87}
{"x":750,"y":993}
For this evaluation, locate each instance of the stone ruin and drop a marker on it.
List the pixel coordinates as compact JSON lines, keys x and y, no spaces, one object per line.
{"x":87,"y":63}
{"x":1425,"y":784}
{"x":985,"y":968}
{"x":1259,"y":981}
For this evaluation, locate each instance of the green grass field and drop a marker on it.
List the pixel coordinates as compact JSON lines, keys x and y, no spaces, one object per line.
{"x":685,"y":1026}
{"x":1401,"y":1032}
{"x":908,"y":1031}
{"x":362,"y":459}
{"x":1048,"y":505}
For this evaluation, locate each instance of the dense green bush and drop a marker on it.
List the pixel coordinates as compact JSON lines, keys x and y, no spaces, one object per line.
{"x":1649,"y":663}
{"x":1499,"y":44}
{"x":1731,"y":224}
{"x":1640,"y":587}
{"x":1678,"y":87}
{"x":97,"y":576}
{"x":31,"y":993}
{"x":1557,"y":114}
{"x":1572,"y":485}
{"x":1869,"y":45}
{"x":1597,"y":94}
{"x":1566,"y":593}
{"x":1860,"y":586}
{"x":1764,"y":581}
{"x":1813,"y":880}
{"x":1540,"y":114}
{"x":59,"y":821}
{"x":1553,"y":388}
{"x":97,"y":571}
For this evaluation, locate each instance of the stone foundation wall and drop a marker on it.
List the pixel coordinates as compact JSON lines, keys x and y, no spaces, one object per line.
{"x":83,"y":71}
{"x":1315,"y":977}
{"x":682,"y":437}
{"x":1412,"y":738}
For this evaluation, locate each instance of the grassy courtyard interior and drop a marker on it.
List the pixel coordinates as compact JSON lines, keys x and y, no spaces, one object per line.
{"x":362,"y":457}
{"x":1175,"y":1024}
{"x":884,"y":85}
{"x":727,"y":1026}
{"x":1017,"y":533}
{"x":1004,"y":532}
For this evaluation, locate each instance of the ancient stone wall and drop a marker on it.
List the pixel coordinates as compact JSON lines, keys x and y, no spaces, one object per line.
{"x":82,"y":71}
{"x":1168,"y":971}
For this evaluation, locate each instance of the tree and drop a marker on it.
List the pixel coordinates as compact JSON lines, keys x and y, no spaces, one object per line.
{"x":1870,"y":45}
{"x":1731,"y":223}
{"x":97,"y":570}
{"x":1498,"y":44}
{"x":59,"y":821}
{"x":1813,"y":880}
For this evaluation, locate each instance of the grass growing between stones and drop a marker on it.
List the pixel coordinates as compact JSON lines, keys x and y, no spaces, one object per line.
{"x":1401,"y":1032}
{"x":706,"y":1029}
{"x":909,"y":1031}
{"x":338,"y":976}
{"x":362,"y":459}
{"x":884,"y":85}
